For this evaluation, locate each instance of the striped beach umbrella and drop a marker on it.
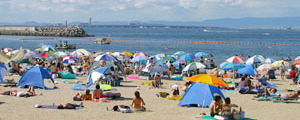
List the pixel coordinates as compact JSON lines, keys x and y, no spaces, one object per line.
{"x":202,"y":54}
{"x":255,"y":60}
{"x":140,"y":53}
{"x":231,"y":66}
{"x":237,"y":59}
{"x":49,"y":55}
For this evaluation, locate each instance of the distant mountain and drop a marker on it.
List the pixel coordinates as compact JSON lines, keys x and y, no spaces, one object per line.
{"x":276,"y":22}
{"x":272,"y":22}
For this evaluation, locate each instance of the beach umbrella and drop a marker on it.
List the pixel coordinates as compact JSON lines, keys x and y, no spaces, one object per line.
{"x":48,"y":55}
{"x":231,"y":66}
{"x":139,"y":58}
{"x":84,"y":51}
{"x":4,"y":58}
{"x":140,"y":53}
{"x":269,"y":60}
{"x":154,"y":58}
{"x":157,"y":69}
{"x":6,"y":50}
{"x":106,"y":57}
{"x":194,"y":66}
{"x":69,"y":60}
{"x":48,"y":48}
{"x":202,"y":54}
{"x":297,"y":57}
{"x":77,"y":54}
{"x":96,"y":75}
{"x":61,"y":54}
{"x":259,"y":56}
{"x":179,"y":53}
{"x":109,"y":53}
{"x":3,"y":72}
{"x":161,"y":55}
{"x":186,"y":57}
{"x":255,"y":60}
{"x":296,"y":62}
{"x":30,"y":54}
{"x":168,"y":58}
{"x":26,"y":51}
{"x":39,"y":49}
{"x":127,"y":53}
{"x":248,"y":69}
{"x":163,"y":64}
{"x":237,"y":59}
{"x":278,"y":63}
{"x":265,"y":67}
{"x":207,"y":79}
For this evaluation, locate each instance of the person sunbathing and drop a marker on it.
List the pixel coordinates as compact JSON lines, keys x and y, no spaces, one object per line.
{"x":290,"y":95}
{"x":10,"y":93}
{"x":86,"y":96}
{"x":69,"y":106}
{"x":138,"y":102}
{"x":30,"y":92}
{"x":267,"y":93}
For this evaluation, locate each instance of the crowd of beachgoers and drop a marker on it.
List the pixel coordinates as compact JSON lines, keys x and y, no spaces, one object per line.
{"x":244,"y":76}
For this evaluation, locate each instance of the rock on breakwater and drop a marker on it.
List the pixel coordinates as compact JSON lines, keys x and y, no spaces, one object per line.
{"x":71,"y":31}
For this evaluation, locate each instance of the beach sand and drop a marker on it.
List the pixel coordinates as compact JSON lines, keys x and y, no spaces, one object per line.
{"x":20,"y":108}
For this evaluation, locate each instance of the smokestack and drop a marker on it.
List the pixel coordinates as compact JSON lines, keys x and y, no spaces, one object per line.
{"x":90,"y":20}
{"x":66,"y":23}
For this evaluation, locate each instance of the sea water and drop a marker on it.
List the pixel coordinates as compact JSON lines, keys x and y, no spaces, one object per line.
{"x":220,"y":51}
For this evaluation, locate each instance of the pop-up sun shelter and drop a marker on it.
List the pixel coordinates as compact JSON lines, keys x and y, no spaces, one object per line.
{"x":3,"y":72}
{"x":35,"y":77}
{"x":96,"y":75}
{"x":200,"y":94}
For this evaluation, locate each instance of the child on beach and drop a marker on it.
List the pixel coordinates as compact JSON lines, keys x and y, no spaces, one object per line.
{"x":138,"y":102}
{"x":216,"y":106}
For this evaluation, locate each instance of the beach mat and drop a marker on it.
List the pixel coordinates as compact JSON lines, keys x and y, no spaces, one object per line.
{"x":212,"y":118}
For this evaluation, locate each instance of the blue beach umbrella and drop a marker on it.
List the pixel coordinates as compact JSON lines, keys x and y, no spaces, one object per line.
{"x":139,"y":58}
{"x":231,"y":66}
{"x":106,"y":57}
{"x":186,"y":57}
{"x":269,"y":60}
{"x":202,"y":54}
{"x":248,"y":69}
{"x":168,"y":58}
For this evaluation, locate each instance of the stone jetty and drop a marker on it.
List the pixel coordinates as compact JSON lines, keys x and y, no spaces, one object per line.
{"x":70,"y":31}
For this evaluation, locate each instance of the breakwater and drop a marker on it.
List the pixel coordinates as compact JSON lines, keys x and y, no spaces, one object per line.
{"x":71,"y":31}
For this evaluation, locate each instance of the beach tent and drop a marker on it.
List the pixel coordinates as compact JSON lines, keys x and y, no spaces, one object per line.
{"x":96,"y":75}
{"x":249,"y":70}
{"x":3,"y":72}
{"x":200,"y":94}
{"x":35,"y":77}
{"x":19,"y":55}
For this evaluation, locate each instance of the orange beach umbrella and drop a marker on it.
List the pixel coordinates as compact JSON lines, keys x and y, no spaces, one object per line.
{"x":207,"y":79}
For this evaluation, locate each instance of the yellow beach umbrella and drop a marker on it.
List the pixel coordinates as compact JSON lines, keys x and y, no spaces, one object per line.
{"x":278,"y":63}
{"x":207,"y":79}
{"x":39,"y":49}
{"x":126,"y":53}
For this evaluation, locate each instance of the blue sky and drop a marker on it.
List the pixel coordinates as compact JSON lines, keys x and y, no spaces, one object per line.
{"x":142,"y":10}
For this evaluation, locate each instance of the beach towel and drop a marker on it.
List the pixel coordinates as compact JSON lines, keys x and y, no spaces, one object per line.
{"x":66,"y":75}
{"x":212,"y":118}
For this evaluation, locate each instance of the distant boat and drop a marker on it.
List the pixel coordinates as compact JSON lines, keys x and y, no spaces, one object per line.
{"x":102,"y":41}
{"x":266,"y":34}
{"x":205,"y":30}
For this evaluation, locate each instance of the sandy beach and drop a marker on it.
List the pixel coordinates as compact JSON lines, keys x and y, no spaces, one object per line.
{"x":14,"y":108}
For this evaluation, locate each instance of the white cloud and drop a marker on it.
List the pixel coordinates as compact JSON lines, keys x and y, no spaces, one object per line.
{"x":146,"y":10}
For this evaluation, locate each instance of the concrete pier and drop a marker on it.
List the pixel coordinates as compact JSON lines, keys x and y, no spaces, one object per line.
{"x":71,"y":31}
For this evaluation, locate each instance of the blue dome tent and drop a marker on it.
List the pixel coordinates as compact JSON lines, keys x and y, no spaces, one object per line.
{"x":35,"y":77}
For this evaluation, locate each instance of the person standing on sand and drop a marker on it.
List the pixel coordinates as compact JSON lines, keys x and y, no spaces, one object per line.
{"x":282,"y":70}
